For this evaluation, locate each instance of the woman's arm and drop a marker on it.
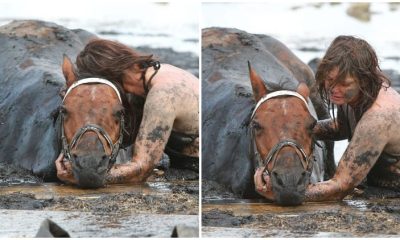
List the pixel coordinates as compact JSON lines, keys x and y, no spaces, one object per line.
{"x":329,"y":129}
{"x":155,"y":129}
{"x":370,"y":137}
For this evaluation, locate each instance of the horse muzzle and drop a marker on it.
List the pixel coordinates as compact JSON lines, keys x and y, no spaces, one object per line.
{"x":290,"y":187}
{"x":90,"y":169}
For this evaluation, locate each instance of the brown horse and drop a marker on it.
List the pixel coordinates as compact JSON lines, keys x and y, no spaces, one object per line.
{"x":236,"y":139}
{"x":281,"y":125}
{"x":92,"y":121}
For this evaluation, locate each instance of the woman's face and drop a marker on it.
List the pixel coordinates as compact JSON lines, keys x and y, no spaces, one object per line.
{"x":344,"y":91}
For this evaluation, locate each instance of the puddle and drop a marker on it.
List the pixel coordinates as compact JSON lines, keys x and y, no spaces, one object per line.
{"x":255,"y":218}
{"x":358,"y":204}
{"x":62,"y":190}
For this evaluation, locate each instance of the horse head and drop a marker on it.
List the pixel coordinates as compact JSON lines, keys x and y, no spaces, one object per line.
{"x":92,"y":124}
{"x":282,"y":142}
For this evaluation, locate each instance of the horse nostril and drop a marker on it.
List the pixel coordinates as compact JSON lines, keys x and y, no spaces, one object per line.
{"x":277,"y":178}
{"x":78,"y":164}
{"x":103,"y":162}
{"x":302,"y":178}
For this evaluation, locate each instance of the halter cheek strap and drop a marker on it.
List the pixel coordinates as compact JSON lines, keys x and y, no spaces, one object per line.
{"x":305,"y":161}
{"x":93,"y":127}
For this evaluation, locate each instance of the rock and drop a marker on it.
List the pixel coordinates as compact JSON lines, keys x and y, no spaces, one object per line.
{"x":360,"y":11}
{"x":49,"y":229}
{"x":394,"y":77}
{"x":394,"y":6}
{"x":183,"y":231}
{"x":313,"y":64}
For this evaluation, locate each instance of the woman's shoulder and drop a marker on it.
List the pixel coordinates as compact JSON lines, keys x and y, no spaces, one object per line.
{"x":387,"y":102}
{"x":174,"y":80}
{"x":385,"y":110}
{"x":168,"y":70}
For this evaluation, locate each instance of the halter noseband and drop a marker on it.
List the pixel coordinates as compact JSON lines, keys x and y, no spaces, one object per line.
{"x":273,"y":153}
{"x":93,"y":127}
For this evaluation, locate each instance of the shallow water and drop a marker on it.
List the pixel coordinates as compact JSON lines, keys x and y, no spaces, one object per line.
{"x":255,"y":218}
{"x":137,"y":23}
{"x":62,"y":190}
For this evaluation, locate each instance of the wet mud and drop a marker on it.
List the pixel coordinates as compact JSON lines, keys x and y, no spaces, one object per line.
{"x":168,"y":198}
{"x":370,"y":212}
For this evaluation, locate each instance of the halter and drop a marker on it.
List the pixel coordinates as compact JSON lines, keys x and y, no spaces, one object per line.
{"x":273,"y":153}
{"x":93,"y":127}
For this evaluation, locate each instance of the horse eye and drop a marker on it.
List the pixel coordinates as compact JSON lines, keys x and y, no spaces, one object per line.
{"x":256,"y":125}
{"x":312,"y":125}
{"x":119,"y":113}
{"x":63,"y":110}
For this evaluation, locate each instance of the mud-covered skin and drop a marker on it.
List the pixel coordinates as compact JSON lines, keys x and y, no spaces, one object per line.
{"x":171,"y":104}
{"x":345,"y":91}
{"x":30,"y":79}
{"x":329,"y":129}
{"x":227,"y":100}
{"x":377,"y":132}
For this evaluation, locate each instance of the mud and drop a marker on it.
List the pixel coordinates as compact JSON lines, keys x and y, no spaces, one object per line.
{"x":174,"y":191}
{"x":11,"y":175}
{"x":365,"y":213}
{"x":168,"y":198}
{"x":25,"y":223}
{"x":180,"y":199}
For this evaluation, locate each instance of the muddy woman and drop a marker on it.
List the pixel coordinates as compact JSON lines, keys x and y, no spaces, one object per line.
{"x":368,"y":115}
{"x":170,"y":120}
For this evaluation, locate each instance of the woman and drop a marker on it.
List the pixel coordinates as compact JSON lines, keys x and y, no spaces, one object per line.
{"x":368,"y":115}
{"x":170,"y":119}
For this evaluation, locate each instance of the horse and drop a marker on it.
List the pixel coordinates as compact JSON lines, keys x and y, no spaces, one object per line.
{"x":33,"y":69}
{"x":265,"y":122}
{"x":31,"y":78}
{"x":95,"y":124}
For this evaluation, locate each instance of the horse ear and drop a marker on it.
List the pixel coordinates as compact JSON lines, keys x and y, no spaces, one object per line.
{"x":259,"y":89}
{"x":68,"y":71}
{"x":303,"y":90}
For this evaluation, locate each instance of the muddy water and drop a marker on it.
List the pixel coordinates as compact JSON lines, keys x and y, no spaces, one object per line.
{"x":367,"y":213}
{"x":152,"y":209}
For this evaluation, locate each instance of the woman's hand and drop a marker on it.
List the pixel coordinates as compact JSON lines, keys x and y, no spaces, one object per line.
{"x":64,"y":170}
{"x":263,"y":184}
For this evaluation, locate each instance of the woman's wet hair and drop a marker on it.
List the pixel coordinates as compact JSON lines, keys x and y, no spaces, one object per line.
{"x":356,"y":58}
{"x":109,"y":59}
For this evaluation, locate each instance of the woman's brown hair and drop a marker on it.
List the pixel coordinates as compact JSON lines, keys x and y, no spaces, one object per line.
{"x":108,"y":59}
{"x":356,"y":58}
